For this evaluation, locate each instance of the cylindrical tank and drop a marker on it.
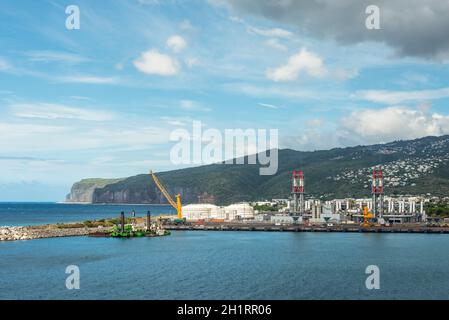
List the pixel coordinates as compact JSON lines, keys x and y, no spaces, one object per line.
{"x":239,"y":211}
{"x":200,"y":211}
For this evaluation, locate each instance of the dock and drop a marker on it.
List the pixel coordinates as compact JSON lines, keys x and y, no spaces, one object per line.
{"x":303,"y":228}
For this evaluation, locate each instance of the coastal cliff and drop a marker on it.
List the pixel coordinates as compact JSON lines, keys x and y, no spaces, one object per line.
{"x":82,"y":191}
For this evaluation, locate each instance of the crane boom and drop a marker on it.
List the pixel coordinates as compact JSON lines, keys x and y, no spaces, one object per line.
{"x":177,"y":205}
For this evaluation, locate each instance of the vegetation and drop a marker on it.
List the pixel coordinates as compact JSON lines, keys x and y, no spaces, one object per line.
{"x":439,"y":209}
{"x":87,"y":224}
{"x":128,"y":232}
{"x":98,"y":182}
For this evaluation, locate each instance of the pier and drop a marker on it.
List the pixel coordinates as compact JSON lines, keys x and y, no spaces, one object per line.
{"x":303,"y":228}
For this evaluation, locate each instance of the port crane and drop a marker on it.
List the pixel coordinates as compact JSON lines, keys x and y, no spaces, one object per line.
{"x":177,"y":205}
{"x":366,"y":217}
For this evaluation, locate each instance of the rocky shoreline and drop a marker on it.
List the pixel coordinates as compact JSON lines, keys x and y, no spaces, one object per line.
{"x":31,"y":233}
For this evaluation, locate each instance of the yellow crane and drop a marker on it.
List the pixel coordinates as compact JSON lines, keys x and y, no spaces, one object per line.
{"x":366,"y":217}
{"x":177,"y":205}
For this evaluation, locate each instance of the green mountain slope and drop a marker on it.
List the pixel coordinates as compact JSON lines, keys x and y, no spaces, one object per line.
{"x":410,"y":167}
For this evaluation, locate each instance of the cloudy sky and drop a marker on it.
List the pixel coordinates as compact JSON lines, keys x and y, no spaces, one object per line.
{"x":102,"y":101}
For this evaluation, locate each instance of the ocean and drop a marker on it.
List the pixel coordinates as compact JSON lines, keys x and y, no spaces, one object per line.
{"x":20,"y":214}
{"x":216,"y":265}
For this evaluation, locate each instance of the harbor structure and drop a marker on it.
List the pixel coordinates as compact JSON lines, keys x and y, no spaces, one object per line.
{"x":398,"y":209}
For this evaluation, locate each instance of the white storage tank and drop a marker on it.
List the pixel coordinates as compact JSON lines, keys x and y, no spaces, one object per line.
{"x":201,"y":211}
{"x":238,"y":211}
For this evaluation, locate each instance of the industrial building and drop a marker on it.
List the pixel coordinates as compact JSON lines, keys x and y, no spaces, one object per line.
{"x":384,"y":209}
{"x":395,"y":209}
{"x":296,"y":210}
{"x":238,"y":211}
{"x":281,"y":219}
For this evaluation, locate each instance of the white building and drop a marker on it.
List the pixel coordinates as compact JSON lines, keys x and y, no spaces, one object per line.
{"x":195,"y":212}
{"x":330,"y":217}
{"x":281,"y":219}
{"x":238,"y":211}
{"x":316,"y":210}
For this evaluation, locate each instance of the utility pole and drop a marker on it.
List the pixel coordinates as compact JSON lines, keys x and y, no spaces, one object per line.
{"x":122,"y":221}
{"x":148,"y":220}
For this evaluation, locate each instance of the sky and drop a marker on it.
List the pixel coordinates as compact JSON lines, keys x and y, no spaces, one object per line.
{"x":102,"y":100}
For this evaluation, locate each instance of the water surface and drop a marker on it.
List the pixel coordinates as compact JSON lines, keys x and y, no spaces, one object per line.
{"x":218,"y":265}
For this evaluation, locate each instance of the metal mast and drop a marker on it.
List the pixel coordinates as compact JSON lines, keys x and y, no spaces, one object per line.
{"x":298,"y":192}
{"x":378,"y":193}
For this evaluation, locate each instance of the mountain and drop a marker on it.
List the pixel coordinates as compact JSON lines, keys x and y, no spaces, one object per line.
{"x":410,"y":167}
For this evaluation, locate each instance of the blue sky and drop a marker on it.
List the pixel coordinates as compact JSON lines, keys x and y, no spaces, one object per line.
{"x":102,"y":101}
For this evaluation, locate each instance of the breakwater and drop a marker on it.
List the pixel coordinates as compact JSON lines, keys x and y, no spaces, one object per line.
{"x":40,"y":232}
{"x":53,"y":231}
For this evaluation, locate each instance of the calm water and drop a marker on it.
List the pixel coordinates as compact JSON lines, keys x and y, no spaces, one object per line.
{"x":17,"y":214}
{"x":227,"y":265}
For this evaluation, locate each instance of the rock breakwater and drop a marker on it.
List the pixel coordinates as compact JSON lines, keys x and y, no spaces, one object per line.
{"x":30,"y":233}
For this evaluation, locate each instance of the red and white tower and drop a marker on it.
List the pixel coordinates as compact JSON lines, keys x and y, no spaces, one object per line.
{"x":298,"y":192}
{"x":378,"y":193}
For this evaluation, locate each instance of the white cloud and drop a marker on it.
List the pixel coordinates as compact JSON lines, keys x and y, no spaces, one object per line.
{"x":192,"y":62}
{"x":314,"y":123}
{"x":55,"y":111}
{"x":153,"y":62}
{"x":186,"y":25}
{"x":87,"y":79}
{"x":393,"y":123}
{"x":291,"y":92}
{"x":4,"y":65}
{"x":345,"y":74}
{"x":150,"y":2}
{"x":236,"y":19}
{"x":193,"y":106}
{"x":176,"y":43}
{"x":369,"y":126}
{"x":274,"y":43}
{"x":20,"y":137}
{"x":177,"y":121}
{"x":269,"y":106}
{"x":80,"y":98}
{"x":49,"y":56}
{"x":391,"y":97}
{"x":119,"y":66}
{"x":304,"y":61}
{"x":275,"y":32}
